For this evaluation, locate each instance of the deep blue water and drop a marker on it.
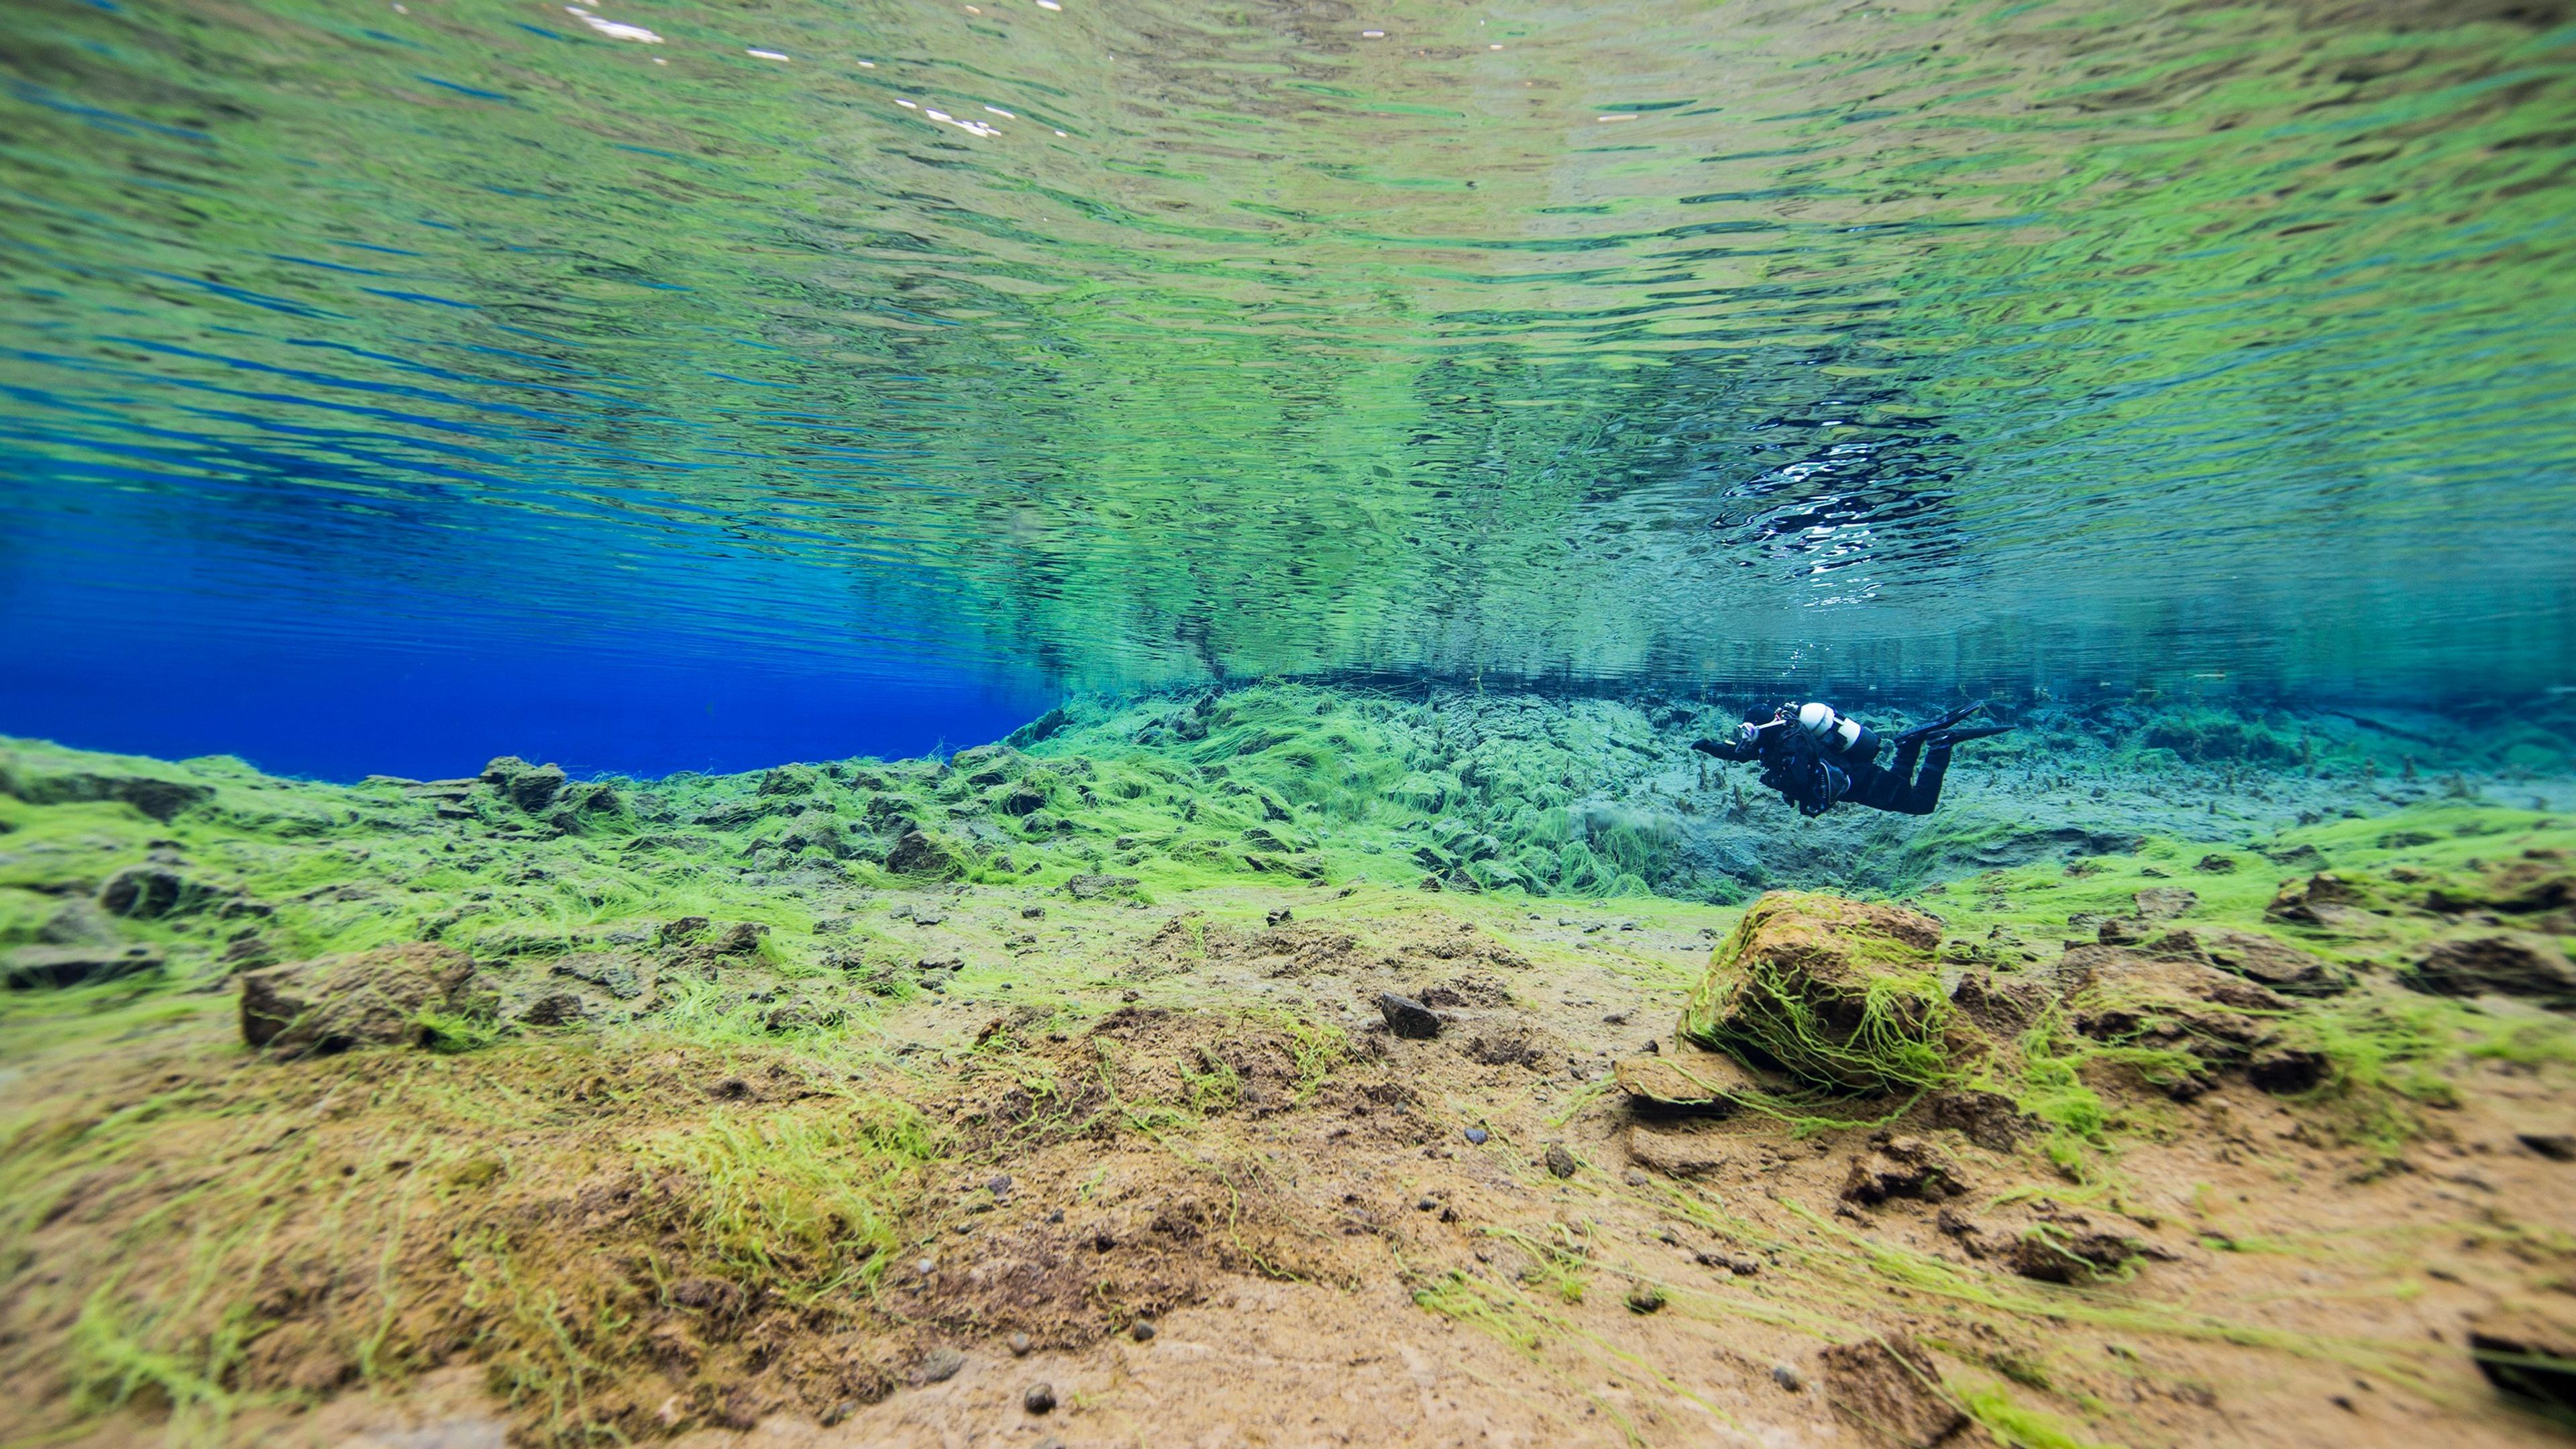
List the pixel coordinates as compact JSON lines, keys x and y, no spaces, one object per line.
{"x":176,"y":642}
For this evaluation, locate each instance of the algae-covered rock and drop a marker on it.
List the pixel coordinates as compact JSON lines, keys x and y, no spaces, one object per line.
{"x":2069,"y":1251}
{"x":1890,"y":1389}
{"x":917,"y":854}
{"x":2258,"y":958}
{"x":2539,"y":882}
{"x":2178,"y":1019}
{"x":1989,"y":1119}
{"x":2324,"y":899}
{"x":160,"y":798}
{"x":530,"y":787}
{"x":2507,"y":963}
{"x":145,"y":892}
{"x":368,"y":997}
{"x":1896,"y":1166}
{"x":1838,"y":993}
{"x":30,"y":967}
{"x":1090,"y":887}
{"x":535,"y":790}
{"x":789,"y":780}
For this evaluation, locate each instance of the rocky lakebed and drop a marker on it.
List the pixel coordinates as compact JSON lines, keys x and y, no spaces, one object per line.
{"x":1293,"y":1064}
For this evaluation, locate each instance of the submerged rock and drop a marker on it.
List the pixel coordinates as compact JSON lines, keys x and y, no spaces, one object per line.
{"x":2528,"y":1353}
{"x":536,"y":789}
{"x":2520,"y":888}
{"x":530,"y":787}
{"x":366,"y":998}
{"x":560,"y":1008}
{"x":2197,"y":1017}
{"x":2323,"y":899}
{"x":1901,"y":1167}
{"x":1890,"y":1388}
{"x":159,"y":798}
{"x":1840,"y":994}
{"x":2285,"y":1071}
{"x":146,"y":892}
{"x":1988,"y":1119}
{"x":2071,"y":1253}
{"x":1407,"y":1017}
{"x":31,"y":967}
{"x":917,"y":854}
{"x":789,"y":780}
{"x":2258,"y":958}
{"x":2505,"y":963}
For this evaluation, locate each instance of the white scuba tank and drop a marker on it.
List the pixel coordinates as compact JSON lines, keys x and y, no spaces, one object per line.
{"x":1834,"y":731}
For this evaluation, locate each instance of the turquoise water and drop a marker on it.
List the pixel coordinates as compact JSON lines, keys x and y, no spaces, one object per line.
{"x":594,"y":367}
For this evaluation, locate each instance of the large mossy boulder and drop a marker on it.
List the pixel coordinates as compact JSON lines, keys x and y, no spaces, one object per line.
{"x":1839,"y":994}
{"x":377,"y":997}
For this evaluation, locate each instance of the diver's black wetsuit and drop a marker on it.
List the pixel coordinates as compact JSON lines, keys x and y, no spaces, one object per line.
{"x":1815,"y":773}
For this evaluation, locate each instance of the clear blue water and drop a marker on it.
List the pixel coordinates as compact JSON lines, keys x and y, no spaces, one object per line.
{"x":667,"y":385}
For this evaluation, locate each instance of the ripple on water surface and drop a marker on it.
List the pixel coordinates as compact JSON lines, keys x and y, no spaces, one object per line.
{"x":1108,"y":343}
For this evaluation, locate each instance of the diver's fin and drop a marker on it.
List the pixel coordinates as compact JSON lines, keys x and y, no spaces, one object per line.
{"x":1944,"y":722}
{"x":1953,"y":737}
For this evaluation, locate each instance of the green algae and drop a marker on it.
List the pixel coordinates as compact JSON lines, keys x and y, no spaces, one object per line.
{"x":1857,"y":1011}
{"x":811,"y":1202}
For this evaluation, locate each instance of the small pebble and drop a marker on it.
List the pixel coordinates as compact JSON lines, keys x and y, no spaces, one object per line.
{"x":1560,"y":1163}
{"x":1000,"y":1186}
{"x":1645,"y":1298}
{"x":1787,"y":1377}
{"x":926,"y":1267}
{"x":1143,"y":1332}
{"x":940,"y":1365}
{"x":1633,"y":1178}
{"x":1476,"y":1136}
{"x":1039,"y":1399}
{"x":1020,"y":1345}
{"x":1056,"y":1216}
{"x":1425,"y":1205}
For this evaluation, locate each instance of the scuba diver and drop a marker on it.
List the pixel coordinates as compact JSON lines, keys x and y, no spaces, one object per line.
{"x":1815,"y":756}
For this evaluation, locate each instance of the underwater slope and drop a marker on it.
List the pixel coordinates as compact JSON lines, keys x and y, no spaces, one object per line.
{"x":860,"y":1100}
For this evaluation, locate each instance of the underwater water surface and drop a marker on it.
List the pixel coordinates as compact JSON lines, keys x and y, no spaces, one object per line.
{"x":410,"y":380}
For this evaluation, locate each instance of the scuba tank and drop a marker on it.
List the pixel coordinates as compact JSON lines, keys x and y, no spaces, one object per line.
{"x":1837,"y":734}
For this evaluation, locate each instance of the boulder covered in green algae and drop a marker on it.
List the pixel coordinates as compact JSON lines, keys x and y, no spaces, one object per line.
{"x":1840,"y":994}
{"x":378,"y":997}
